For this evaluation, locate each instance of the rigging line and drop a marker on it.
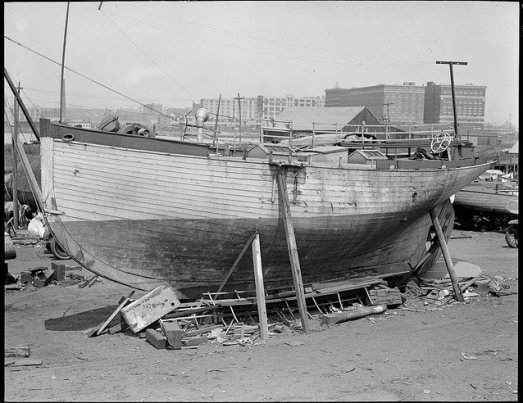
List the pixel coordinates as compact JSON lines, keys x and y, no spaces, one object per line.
{"x":255,"y":51}
{"x":11,"y":126}
{"x":87,"y":78}
{"x":70,"y":94}
{"x":275,"y":41}
{"x":149,"y":57}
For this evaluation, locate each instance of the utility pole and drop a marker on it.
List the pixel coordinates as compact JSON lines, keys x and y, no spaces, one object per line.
{"x":453,"y":93}
{"x":388,"y":110}
{"x":240,"y":113}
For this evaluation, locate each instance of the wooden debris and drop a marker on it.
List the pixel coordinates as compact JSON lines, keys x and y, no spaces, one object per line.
{"x":21,"y":362}
{"x":386,"y":296}
{"x":12,"y":287}
{"x":150,"y":307}
{"x":59,"y":271}
{"x":88,"y":281}
{"x":17,"y":351}
{"x":351,"y":313}
{"x":173,"y":333}
{"x":93,"y":330}
{"x":118,"y":328}
{"x":26,"y":277}
{"x":201,"y":330}
{"x":194,"y":341}
{"x":110,"y":318}
{"x":36,"y":270}
{"x":158,"y":340}
{"x":42,"y":279}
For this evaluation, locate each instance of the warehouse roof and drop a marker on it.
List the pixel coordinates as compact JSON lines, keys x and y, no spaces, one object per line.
{"x":302,"y":117}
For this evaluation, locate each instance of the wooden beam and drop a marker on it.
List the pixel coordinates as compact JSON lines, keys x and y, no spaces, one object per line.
{"x":293,"y":250}
{"x":446,"y":255}
{"x":110,"y":318}
{"x":237,"y":261}
{"x":260,"y":290}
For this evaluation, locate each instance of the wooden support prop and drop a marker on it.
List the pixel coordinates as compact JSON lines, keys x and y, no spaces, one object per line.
{"x":293,"y":250}
{"x":260,"y":289}
{"x":446,"y":255}
{"x":110,"y":318}
{"x":237,"y":261}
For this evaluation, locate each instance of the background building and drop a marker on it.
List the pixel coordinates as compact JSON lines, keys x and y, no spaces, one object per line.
{"x":255,"y":109}
{"x":401,"y":104}
{"x":470,"y":104}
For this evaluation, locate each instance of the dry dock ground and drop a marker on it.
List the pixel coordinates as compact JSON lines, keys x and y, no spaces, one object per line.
{"x":462,"y":352}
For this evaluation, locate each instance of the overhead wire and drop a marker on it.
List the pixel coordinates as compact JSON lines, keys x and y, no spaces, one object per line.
{"x":86,"y":77}
{"x":147,"y":55}
{"x":269,"y":40}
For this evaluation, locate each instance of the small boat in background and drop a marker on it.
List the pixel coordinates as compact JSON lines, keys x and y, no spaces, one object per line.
{"x":487,"y":204}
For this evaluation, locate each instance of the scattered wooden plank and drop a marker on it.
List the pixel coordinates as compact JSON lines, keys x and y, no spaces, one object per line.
{"x":194,"y":341}
{"x":117,"y":328}
{"x":22,"y":362}
{"x":150,"y":307}
{"x":17,"y":351}
{"x":88,"y":281}
{"x":110,"y":318}
{"x":93,"y":330}
{"x":351,"y":313}
{"x":173,"y":333}
{"x":158,"y":340}
{"x":12,"y":287}
{"x":201,"y":330}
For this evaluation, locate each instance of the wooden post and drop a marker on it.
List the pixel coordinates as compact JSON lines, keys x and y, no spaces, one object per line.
{"x":293,"y":250}
{"x":14,"y":140}
{"x":260,"y":290}
{"x":446,"y":255}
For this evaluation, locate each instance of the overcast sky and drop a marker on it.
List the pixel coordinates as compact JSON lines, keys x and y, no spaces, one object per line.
{"x":175,"y":53}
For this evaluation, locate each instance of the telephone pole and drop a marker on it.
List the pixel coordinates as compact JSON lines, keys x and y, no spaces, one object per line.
{"x":453,"y":93}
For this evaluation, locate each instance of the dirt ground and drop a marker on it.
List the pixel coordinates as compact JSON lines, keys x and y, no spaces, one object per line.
{"x":416,"y":352}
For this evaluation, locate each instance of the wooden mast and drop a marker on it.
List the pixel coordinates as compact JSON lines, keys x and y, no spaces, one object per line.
{"x":62,"y":89}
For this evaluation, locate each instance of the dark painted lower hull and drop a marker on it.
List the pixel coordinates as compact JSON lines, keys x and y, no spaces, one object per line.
{"x":195,"y":255}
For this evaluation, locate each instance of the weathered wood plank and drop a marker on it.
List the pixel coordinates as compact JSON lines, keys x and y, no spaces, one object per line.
{"x":150,"y":307}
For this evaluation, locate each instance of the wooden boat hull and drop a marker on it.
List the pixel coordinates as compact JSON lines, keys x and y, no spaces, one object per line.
{"x":148,"y":213}
{"x":486,"y":197}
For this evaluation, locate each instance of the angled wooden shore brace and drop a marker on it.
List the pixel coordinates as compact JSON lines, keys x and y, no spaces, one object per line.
{"x":446,"y":255}
{"x":237,"y":261}
{"x":293,"y":250}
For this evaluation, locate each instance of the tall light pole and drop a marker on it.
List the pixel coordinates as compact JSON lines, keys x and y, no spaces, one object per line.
{"x":452,"y":87}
